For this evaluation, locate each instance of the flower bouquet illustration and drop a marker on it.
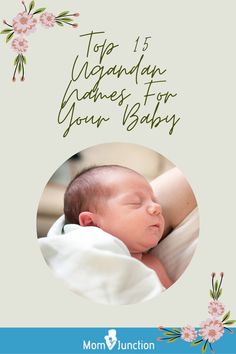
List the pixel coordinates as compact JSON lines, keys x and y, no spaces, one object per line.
{"x":212,"y":329}
{"x":25,"y":23}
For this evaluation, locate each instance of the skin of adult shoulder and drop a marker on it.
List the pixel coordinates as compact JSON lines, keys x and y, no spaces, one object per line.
{"x":175,"y":196}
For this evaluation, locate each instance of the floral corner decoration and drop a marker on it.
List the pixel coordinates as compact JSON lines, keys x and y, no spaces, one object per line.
{"x":26,"y":23}
{"x":212,"y":329}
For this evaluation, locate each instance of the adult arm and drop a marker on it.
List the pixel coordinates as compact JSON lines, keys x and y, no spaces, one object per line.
{"x":175,"y":196}
{"x":154,"y":263}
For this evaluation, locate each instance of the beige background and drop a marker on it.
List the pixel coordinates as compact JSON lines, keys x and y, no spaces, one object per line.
{"x":194,"y":40}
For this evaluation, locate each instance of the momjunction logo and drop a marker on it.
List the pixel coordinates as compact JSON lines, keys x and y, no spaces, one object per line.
{"x":111,"y":341}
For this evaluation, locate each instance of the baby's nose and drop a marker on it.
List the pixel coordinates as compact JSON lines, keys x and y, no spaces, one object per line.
{"x":154,"y":209}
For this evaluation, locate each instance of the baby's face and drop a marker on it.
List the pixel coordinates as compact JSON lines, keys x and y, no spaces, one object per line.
{"x":131,"y":213}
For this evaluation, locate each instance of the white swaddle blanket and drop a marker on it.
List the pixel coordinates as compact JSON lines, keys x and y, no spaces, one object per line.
{"x":98,"y":266}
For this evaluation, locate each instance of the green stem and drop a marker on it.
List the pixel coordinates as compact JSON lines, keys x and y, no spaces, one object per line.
{"x":66,"y":23}
{"x":5,"y":22}
{"x":170,"y":330}
{"x":228,"y":329}
{"x":24,"y":6}
{"x":23,"y":68}
{"x":213,"y":290}
{"x":14,"y":74}
{"x":221,"y":278}
{"x":212,"y":350}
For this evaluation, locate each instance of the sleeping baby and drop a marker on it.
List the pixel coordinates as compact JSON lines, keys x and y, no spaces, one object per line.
{"x":121,"y":202}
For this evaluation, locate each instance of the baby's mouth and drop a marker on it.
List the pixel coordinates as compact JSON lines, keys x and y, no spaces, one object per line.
{"x":155,"y":226}
{"x":157,"y":223}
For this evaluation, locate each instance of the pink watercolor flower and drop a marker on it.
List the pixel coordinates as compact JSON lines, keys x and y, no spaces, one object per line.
{"x":24,"y":23}
{"x":216,"y":308}
{"x":47,"y":19}
{"x":188,"y":333}
{"x":211,"y":330}
{"x":20,"y":45}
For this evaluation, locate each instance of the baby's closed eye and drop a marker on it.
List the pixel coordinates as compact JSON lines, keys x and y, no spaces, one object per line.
{"x":132,"y":201}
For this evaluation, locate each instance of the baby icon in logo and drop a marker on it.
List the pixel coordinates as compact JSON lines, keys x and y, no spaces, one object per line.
{"x":111,"y":339}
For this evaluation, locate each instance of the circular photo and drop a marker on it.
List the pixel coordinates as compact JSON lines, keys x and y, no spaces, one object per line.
{"x":118,"y":223}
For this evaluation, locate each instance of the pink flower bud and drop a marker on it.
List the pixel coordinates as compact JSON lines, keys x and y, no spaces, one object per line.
{"x":23,"y":78}
{"x":77,"y":14}
{"x":159,"y":339}
{"x":75,"y":25}
{"x":213,"y":274}
{"x":14,"y":79}
{"x":221,"y":274}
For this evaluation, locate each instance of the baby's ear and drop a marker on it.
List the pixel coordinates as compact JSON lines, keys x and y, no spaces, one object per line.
{"x":86,"y":218}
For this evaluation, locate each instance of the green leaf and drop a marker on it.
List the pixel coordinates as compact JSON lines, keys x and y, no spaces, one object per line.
{"x":9,"y":37}
{"x":204,"y":347}
{"x":59,"y":23}
{"x":226,"y":316}
{"x":172,"y":340}
{"x":176,"y":330}
{"x":216,"y":285}
{"x":230,"y":322}
{"x":66,"y":19}
{"x":168,"y":334}
{"x":17,"y":59}
{"x":19,"y":67}
{"x":212,"y":294}
{"x":24,"y":59}
{"x":196,"y":342}
{"x":31,"y":5}
{"x":219,"y":293}
{"x":38,"y":11}
{"x":6,"y":30}
{"x":64,"y":13}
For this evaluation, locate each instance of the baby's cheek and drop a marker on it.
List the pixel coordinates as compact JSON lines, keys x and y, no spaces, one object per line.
{"x":163,"y":222}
